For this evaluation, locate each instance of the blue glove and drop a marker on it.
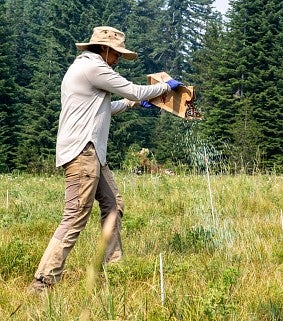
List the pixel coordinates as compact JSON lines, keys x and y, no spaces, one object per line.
{"x":174,"y":84}
{"x":146,"y":104}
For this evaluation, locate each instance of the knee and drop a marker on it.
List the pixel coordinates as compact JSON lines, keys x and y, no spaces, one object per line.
{"x":114,"y":204}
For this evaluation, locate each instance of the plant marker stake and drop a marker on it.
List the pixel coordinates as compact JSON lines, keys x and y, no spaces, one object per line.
{"x":7,"y":199}
{"x":209,"y":187}
{"x":124,"y":184}
{"x":161,"y":280}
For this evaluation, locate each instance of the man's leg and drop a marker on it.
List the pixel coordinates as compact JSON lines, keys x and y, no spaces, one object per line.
{"x":82,"y":176}
{"x":110,"y":203}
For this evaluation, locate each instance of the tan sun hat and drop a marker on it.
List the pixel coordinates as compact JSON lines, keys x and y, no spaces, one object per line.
{"x":110,"y":37}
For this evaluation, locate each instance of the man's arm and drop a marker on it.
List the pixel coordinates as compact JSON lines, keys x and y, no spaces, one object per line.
{"x":122,"y":105}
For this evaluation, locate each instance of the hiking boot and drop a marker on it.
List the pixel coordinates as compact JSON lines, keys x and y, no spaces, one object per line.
{"x":115,"y":257}
{"x":38,"y":286}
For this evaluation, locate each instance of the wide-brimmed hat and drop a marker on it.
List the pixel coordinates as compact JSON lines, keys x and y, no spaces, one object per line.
{"x":110,"y":37}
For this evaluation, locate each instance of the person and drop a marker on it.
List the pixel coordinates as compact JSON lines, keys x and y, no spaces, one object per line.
{"x":81,"y":147}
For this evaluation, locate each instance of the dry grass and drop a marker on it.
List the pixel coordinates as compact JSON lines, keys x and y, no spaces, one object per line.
{"x":230,"y":268}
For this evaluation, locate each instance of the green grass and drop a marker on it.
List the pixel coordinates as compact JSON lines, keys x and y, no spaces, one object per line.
{"x":226,"y":266}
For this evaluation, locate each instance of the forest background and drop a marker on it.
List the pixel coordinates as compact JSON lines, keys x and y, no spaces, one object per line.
{"x":235,"y":64}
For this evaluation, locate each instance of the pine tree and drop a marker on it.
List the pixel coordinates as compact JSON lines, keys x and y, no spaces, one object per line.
{"x":55,"y":52}
{"x":143,"y":33}
{"x":34,"y":137}
{"x":212,"y":80}
{"x":236,"y":68}
{"x":241,"y":86}
{"x":184,"y":27}
{"x":7,"y":93}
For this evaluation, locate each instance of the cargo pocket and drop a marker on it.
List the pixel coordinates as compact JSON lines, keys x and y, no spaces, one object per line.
{"x":90,"y":166}
{"x":90,"y":174}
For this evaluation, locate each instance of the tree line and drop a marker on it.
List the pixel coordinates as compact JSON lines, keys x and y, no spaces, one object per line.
{"x":234,"y":63}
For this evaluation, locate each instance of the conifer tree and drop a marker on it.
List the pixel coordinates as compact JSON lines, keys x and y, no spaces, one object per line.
{"x":185,"y":25}
{"x":184,"y":28}
{"x":143,"y":34}
{"x":246,"y":102}
{"x":55,"y":52}
{"x":211,"y":79}
{"x":8,"y":94}
{"x":236,"y":68}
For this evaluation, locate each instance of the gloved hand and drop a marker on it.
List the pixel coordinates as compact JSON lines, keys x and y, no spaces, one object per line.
{"x":174,"y":84}
{"x":146,"y":104}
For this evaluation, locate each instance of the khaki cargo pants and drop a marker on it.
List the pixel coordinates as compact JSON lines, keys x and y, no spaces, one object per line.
{"x":86,"y":180}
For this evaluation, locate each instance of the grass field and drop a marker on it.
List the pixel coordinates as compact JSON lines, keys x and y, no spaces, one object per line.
{"x":221,"y":245}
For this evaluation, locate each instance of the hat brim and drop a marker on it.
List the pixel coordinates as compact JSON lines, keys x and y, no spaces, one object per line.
{"x":126,"y":54}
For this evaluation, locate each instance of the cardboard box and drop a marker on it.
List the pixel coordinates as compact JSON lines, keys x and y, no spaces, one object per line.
{"x":178,"y":102}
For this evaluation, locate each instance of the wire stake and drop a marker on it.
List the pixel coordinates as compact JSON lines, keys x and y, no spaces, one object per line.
{"x":161,"y":280}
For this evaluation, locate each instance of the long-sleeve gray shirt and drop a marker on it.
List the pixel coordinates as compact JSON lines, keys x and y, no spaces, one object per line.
{"x":87,"y":108}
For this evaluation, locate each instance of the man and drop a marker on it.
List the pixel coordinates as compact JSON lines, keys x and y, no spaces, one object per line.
{"x":82,"y":143}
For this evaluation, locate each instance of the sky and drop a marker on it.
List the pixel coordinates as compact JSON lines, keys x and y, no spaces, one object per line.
{"x":221,"y":5}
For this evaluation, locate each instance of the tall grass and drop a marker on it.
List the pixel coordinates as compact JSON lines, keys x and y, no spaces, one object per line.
{"x":227,"y":268}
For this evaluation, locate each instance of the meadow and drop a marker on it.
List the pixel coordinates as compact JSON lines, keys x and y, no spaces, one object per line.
{"x":220,"y":239}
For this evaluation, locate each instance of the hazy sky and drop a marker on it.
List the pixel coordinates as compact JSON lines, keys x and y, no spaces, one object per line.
{"x":221,"y":5}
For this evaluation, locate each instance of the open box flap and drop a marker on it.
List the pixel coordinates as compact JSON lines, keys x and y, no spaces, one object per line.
{"x":178,"y":102}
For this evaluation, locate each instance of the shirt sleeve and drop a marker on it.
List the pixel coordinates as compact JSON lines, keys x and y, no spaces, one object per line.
{"x":119,"y":106}
{"x":103,"y":77}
